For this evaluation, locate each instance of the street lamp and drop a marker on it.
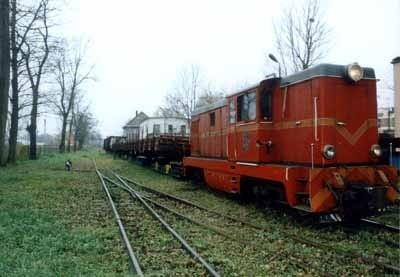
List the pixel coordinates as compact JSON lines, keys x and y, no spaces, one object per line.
{"x":274,"y":59}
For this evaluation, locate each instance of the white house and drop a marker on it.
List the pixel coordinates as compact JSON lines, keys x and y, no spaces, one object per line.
{"x":386,"y":120}
{"x":396,"y":79}
{"x":155,"y":126}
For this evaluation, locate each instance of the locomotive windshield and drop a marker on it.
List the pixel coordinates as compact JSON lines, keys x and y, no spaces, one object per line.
{"x":247,"y":106}
{"x":266,"y":105}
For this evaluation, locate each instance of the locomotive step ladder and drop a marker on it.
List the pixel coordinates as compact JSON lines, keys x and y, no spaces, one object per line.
{"x":303,"y":208}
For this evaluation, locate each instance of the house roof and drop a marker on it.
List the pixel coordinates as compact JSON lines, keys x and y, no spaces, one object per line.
{"x":166,"y":117}
{"x":134,"y":122}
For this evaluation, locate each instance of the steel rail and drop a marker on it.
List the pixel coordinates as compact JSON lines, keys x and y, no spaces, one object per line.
{"x":132,"y":258}
{"x":240,"y":240}
{"x":381,"y":225}
{"x":183,"y":242}
{"x":184,"y":201}
{"x":295,"y":238}
{"x":178,"y":214}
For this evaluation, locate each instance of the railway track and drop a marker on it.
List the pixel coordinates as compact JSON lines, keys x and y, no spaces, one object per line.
{"x":132,"y":257}
{"x":227,"y":232}
{"x":296,"y":238}
{"x":381,"y":226}
{"x":135,"y":265}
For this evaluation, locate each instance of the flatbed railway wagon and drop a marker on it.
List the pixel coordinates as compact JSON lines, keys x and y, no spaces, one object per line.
{"x":309,"y":140}
{"x":112,"y":144}
{"x":160,"y":150}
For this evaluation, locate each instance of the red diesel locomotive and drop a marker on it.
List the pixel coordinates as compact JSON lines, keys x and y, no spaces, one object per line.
{"x":308,"y":139}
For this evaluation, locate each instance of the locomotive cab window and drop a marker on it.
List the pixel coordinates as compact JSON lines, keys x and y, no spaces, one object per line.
{"x":232,"y":112}
{"x":266,"y":105}
{"x":247,"y":106}
{"x":212,"y":119}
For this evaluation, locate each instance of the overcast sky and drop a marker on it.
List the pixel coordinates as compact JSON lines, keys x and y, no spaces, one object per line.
{"x":139,"y":47}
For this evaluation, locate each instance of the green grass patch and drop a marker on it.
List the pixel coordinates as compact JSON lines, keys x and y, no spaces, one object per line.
{"x":56,"y":223}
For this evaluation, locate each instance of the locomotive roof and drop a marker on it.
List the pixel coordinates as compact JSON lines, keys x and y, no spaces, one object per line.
{"x":210,"y":107}
{"x":325,"y":69}
{"x":330,"y":70}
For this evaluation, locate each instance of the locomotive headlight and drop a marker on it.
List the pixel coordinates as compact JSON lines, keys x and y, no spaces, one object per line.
{"x":376,"y":151}
{"x":329,"y":151}
{"x":355,"y":72}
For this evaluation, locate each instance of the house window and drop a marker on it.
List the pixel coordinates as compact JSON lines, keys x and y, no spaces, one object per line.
{"x":183,"y":130}
{"x":156,"y":129}
{"x":266,"y":105}
{"x":212,"y":119}
{"x":247,"y":106}
{"x":232,"y":112}
{"x":170,"y":129}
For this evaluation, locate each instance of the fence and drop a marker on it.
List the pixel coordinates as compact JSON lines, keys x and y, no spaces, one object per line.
{"x":41,"y":150}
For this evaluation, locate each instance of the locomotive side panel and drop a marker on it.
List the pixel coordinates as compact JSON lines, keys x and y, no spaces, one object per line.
{"x":211,"y":139}
{"x":195,"y":136}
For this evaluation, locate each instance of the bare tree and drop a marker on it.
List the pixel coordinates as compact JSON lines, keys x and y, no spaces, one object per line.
{"x":168,"y":112}
{"x":4,"y":72}
{"x":189,"y":93}
{"x":302,"y":37}
{"x":22,"y":21}
{"x":69,"y":75}
{"x":182,"y":100}
{"x":84,"y":126}
{"x":35,"y":51}
{"x":209,"y":96}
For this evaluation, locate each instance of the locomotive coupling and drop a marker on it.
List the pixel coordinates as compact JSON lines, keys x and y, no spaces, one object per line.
{"x":359,"y":200}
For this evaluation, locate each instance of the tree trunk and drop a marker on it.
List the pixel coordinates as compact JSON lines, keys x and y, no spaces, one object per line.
{"x":80,"y":144}
{"x":75,"y":142}
{"x":12,"y":141}
{"x":33,"y":126}
{"x":12,"y":151}
{"x":71,"y":123}
{"x":63,"y":131}
{"x":69,"y":136}
{"x":4,"y":72}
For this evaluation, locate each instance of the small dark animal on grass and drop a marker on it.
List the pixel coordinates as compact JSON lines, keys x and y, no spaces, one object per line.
{"x":68,"y":165}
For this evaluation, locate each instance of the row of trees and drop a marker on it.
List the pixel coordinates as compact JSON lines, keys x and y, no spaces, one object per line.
{"x":46,"y":75}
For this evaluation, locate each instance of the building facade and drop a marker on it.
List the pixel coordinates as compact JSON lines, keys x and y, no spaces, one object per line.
{"x":131,"y":130}
{"x":156,"y":126}
{"x":386,"y":121}
{"x":396,"y":79}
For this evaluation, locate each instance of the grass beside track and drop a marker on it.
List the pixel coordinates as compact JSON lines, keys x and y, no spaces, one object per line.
{"x":54,"y":222}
